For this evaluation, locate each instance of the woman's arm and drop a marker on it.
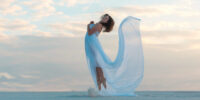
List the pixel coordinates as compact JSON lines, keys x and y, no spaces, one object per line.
{"x":88,"y":26}
{"x":97,"y":27}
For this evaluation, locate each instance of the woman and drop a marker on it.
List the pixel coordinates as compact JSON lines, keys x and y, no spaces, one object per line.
{"x":123,"y":75}
{"x":107,"y":23}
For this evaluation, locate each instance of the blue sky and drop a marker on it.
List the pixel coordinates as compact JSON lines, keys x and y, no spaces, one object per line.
{"x":42,"y":42}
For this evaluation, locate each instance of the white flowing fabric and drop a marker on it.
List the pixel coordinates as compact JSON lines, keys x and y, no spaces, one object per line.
{"x":125,"y":73}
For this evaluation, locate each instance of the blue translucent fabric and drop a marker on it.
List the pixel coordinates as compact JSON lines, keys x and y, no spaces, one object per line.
{"x":125,"y":73}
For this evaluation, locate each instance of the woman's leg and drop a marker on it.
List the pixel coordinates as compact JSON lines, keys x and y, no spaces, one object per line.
{"x":98,"y":77}
{"x":103,"y":80}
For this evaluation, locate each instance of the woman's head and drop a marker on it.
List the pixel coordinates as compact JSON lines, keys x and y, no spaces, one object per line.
{"x":107,"y":22}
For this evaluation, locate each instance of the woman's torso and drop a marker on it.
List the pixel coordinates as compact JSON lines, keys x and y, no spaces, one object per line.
{"x":97,"y":33}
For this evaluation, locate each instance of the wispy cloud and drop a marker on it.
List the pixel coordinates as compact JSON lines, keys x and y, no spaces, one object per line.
{"x":40,"y":8}
{"x":29,"y":76}
{"x":69,"y":28}
{"x":16,"y":26}
{"x":15,"y":85}
{"x":10,"y":7}
{"x":71,"y":3}
{"x":6,"y":75}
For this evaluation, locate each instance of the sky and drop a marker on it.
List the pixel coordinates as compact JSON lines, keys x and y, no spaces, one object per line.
{"x":42,"y":43}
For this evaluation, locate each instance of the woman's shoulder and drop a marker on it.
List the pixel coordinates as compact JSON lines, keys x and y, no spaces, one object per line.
{"x":99,"y":26}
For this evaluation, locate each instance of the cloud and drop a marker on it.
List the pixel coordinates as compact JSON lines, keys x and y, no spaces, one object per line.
{"x":151,"y":11}
{"x":172,"y":40}
{"x":6,"y":3}
{"x":71,"y":3}
{"x":6,"y":75}
{"x":29,"y":76}
{"x":15,"y":85}
{"x":167,"y":25}
{"x":16,"y":26}
{"x":3,"y":37}
{"x":176,"y":34}
{"x":43,"y":34}
{"x":136,"y":10}
{"x":40,"y":8}
{"x":19,"y":25}
{"x":9,"y":7}
{"x":69,"y":28}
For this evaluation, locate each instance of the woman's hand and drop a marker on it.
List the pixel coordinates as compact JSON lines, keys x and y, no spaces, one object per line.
{"x":91,"y":22}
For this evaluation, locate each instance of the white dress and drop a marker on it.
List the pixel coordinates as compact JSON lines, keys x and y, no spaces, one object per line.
{"x":125,"y":73}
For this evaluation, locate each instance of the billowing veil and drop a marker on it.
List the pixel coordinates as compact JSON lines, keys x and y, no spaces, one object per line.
{"x":125,"y":73}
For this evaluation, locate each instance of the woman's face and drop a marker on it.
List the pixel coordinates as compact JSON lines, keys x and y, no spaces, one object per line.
{"x":105,"y":19}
